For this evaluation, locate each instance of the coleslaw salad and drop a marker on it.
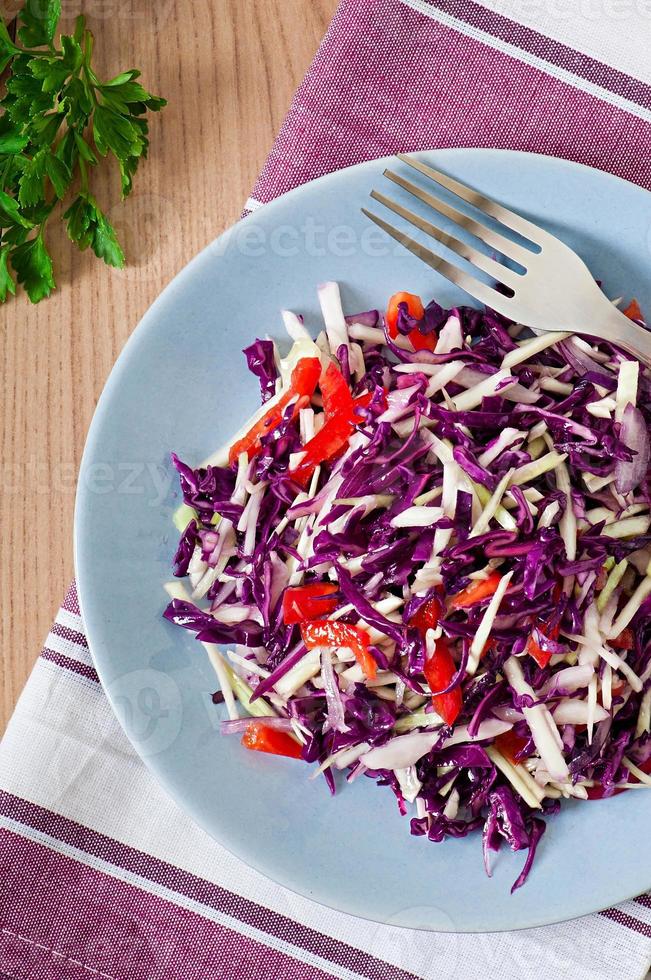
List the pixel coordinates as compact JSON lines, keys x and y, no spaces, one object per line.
{"x":426,"y":560}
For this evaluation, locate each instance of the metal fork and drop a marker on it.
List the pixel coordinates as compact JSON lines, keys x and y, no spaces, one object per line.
{"x":555,"y":290}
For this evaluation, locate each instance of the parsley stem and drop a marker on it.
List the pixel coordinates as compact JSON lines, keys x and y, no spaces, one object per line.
{"x":88,"y":48}
{"x":89,"y":75}
{"x":83,"y":170}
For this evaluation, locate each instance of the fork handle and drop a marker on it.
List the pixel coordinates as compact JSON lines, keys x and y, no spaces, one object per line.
{"x":618,"y":329}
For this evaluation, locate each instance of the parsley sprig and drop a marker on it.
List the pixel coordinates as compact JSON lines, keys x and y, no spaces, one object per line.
{"x":57,"y":120}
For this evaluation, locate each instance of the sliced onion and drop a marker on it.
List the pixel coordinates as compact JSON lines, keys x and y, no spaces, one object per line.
{"x":577,"y":358}
{"x":635,"y":435}
{"x":572,"y":711}
{"x":406,"y":750}
{"x":450,"y":337}
{"x":410,"y":784}
{"x":569,"y":679}
{"x":332,"y":693}
{"x":401,"y":752}
{"x":239,"y":725}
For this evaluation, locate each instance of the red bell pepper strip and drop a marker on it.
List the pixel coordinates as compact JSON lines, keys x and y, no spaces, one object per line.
{"x":341,"y":412}
{"x":625,"y":640}
{"x":332,"y":633}
{"x":440,"y":668}
{"x":427,"y":617}
{"x":488,"y":646}
{"x":538,"y":650}
{"x":304,"y":379}
{"x":419,"y":341}
{"x":329,"y":440}
{"x":596,"y":792}
{"x":534,"y":649}
{"x":308,"y":602}
{"x":305,"y":376}
{"x":337,"y":399}
{"x":633,"y":311}
{"x":262,"y":738}
{"x":342,"y":415}
{"x":476,"y":592}
{"x":510,"y":745}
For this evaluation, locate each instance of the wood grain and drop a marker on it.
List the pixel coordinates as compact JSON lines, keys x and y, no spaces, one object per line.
{"x":228,"y":69}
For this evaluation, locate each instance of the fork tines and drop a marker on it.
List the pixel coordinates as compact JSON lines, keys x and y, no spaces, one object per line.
{"x":477,"y":226}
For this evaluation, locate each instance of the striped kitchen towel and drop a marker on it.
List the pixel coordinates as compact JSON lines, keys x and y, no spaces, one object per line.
{"x":101,"y":876}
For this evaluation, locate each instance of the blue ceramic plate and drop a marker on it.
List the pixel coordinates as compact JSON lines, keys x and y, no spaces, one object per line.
{"x":181,"y":383}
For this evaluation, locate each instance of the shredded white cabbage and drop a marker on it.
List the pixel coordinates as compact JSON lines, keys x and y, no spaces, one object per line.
{"x":529,"y":348}
{"x":417,"y":517}
{"x":627,"y":383}
{"x":485,"y":626}
{"x":520,"y":779}
{"x":490,"y":509}
{"x":450,"y":337}
{"x":294,"y":326}
{"x":541,"y":724}
{"x":508,"y":438}
{"x":477,"y":391}
{"x":333,"y":317}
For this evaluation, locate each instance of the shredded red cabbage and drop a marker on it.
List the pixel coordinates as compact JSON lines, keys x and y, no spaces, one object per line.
{"x":470,"y":543}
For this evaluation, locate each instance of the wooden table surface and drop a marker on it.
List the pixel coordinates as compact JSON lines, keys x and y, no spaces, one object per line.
{"x":229,"y":69}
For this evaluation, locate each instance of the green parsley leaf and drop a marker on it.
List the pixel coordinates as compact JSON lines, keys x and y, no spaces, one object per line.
{"x":78,"y":217}
{"x":15,"y":235}
{"x":88,"y":226}
{"x":40,"y":19}
{"x":76,"y":102}
{"x":129,"y":94}
{"x":45,"y":128}
{"x":10,"y":213}
{"x":124,"y":76}
{"x":72,"y":55}
{"x":128,"y":168}
{"x":105,"y":244}
{"x":51,"y":72}
{"x":6,"y":44}
{"x":84,"y":150}
{"x":32,"y":188}
{"x":115,"y":132}
{"x":12,"y":140}
{"x":7,"y":47}
{"x":26,"y":96}
{"x":59,"y":174}
{"x":32,"y":264}
{"x":57,"y":121}
{"x":7,"y":284}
